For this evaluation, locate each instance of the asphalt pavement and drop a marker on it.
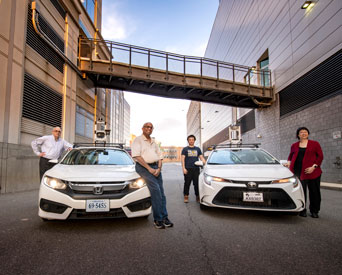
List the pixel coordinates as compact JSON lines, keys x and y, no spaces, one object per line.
{"x":215,"y":241}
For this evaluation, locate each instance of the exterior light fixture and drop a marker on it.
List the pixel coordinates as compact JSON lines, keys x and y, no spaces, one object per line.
{"x":306,"y":4}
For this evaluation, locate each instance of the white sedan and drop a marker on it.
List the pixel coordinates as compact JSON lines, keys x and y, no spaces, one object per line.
{"x":245,"y":177}
{"x":93,"y":182}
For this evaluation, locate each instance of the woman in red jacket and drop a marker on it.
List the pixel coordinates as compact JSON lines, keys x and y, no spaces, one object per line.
{"x":305,"y":161}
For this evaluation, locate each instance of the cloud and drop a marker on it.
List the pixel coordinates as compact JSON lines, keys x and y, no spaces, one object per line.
{"x":189,"y":49}
{"x":116,"y":25}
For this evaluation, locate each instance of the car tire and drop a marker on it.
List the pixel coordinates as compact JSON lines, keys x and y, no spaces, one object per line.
{"x":44,"y":220}
{"x":203,"y":207}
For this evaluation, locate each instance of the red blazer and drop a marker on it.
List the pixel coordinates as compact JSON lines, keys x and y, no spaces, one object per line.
{"x":313,"y":155}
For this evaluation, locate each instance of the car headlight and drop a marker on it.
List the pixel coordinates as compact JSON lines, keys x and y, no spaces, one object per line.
{"x":292,"y":180}
{"x":54,"y":183}
{"x":208,"y":179}
{"x":137,"y":184}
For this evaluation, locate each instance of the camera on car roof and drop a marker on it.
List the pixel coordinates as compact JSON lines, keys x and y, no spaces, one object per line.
{"x":101,"y":134}
{"x":234,"y":134}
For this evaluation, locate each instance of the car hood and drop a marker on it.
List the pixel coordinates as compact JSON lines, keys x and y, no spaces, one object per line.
{"x":92,"y":173}
{"x":249,"y":172}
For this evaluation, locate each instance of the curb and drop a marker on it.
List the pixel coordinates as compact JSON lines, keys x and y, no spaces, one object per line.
{"x":331,"y":186}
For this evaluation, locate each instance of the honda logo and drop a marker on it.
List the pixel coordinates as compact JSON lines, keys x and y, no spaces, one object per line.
{"x":252,"y":184}
{"x":98,"y":189}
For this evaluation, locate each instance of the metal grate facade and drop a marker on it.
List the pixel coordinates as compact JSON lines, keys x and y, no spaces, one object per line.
{"x":322,"y":82}
{"x":41,"y":103}
{"x":247,"y":122}
{"x":58,"y":7}
{"x":36,"y":43}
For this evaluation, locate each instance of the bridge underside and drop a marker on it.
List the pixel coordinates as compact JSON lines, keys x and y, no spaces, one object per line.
{"x":175,"y":85}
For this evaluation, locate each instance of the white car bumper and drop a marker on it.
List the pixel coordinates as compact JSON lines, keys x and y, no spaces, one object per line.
{"x":75,"y":207}
{"x":285,"y":192}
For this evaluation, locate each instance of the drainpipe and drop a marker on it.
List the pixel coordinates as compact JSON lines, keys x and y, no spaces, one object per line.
{"x":35,"y":22}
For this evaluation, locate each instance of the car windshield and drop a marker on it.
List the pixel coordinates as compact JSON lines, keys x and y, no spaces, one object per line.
{"x":96,"y":156}
{"x":241,"y":156}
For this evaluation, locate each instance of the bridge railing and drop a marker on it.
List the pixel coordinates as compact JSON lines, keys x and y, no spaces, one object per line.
{"x":172,"y":62}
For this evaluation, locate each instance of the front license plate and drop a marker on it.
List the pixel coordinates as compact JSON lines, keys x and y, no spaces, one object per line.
{"x":253,"y":196}
{"x":97,"y":206}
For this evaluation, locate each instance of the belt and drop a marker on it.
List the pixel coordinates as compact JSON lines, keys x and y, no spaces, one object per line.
{"x":153,"y":163}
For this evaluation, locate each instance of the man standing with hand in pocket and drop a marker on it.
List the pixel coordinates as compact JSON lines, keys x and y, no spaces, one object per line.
{"x":148,"y":159}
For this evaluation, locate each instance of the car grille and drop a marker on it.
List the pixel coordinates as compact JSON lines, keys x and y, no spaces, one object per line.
{"x":88,"y":187}
{"x":87,"y":190}
{"x":245,"y":182}
{"x":82,"y":214}
{"x":274,"y":198}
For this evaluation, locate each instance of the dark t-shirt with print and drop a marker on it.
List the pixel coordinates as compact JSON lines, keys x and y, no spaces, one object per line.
{"x":191,"y":156}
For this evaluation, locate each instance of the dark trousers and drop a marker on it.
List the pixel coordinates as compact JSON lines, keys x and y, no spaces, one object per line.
{"x":314,"y":186}
{"x":191,"y":176}
{"x":44,"y":165}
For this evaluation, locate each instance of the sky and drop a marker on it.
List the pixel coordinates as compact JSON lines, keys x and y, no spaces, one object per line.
{"x":177,"y":26}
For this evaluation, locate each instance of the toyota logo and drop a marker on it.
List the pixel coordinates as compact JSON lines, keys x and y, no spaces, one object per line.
{"x":252,"y":184}
{"x":98,"y":189}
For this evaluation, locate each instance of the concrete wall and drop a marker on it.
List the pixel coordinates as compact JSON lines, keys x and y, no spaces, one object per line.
{"x":18,"y":168}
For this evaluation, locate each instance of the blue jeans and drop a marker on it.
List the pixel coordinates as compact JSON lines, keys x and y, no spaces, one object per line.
{"x":155,"y":185}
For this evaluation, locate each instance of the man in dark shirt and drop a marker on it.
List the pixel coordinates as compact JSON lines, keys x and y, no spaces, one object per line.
{"x":190,"y":155}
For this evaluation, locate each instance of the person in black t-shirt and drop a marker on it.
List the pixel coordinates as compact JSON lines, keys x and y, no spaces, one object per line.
{"x":190,"y":154}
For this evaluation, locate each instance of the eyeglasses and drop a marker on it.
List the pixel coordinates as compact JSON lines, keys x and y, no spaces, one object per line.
{"x":57,"y":131}
{"x":151,"y":127}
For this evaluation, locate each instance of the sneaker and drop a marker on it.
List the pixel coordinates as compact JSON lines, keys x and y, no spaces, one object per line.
{"x":159,"y":225}
{"x":186,"y":199}
{"x":314,"y":215}
{"x":167,"y":223}
{"x":197,"y":198}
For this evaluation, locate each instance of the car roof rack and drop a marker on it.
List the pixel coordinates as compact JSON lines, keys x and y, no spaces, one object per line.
{"x":99,"y":144}
{"x":236,"y":145}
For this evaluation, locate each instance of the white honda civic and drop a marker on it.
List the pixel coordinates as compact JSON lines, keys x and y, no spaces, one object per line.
{"x":247,"y":177}
{"x":93,"y":182}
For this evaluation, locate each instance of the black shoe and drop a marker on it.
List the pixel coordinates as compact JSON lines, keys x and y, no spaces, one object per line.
{"x":167,"y":223}
{"x":314,"y":215}
{"x":302,"y":213}
{"x":159,"y":225}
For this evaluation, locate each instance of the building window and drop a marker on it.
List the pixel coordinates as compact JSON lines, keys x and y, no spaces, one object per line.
{"x":84,"y":29}
{"x":90,"y":7}
{"x":264,"y":77}
{"x":84,"y":123}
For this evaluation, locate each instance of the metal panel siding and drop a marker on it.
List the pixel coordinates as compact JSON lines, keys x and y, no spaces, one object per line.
{"x":41,"y":103}
{"x":322,"y":81}
{"x":36,"y":43}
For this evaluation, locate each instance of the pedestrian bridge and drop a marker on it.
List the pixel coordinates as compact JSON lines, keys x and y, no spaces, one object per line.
{"x":170,"y":75}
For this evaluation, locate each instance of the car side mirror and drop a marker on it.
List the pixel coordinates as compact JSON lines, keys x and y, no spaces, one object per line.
{"x":55,"y":161}
{"x":199,"y":163}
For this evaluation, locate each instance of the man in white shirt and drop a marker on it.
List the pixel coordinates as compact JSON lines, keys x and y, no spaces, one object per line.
{"x":49,"y":147}
{"x":148,"y":159}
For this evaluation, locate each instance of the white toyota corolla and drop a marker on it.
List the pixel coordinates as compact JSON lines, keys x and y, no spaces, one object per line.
{"x":247,"y":177}
{"x":93,"y":182}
